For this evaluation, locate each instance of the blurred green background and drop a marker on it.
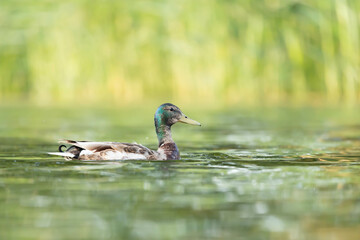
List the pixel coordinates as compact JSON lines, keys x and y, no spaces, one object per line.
{"x":204,"y":51}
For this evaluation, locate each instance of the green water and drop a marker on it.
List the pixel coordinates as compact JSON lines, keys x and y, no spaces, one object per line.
{"x":245,"y":174}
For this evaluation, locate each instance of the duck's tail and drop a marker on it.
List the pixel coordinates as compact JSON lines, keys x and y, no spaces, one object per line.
{"x":69,"y":153}
{"x":62,"y":154}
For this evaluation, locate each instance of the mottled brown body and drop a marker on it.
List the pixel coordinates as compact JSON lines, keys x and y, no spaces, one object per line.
{"x":84,"y":150}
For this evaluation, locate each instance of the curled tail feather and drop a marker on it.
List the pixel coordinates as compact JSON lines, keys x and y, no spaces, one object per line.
{"x":60,"y":148}
{"x":69,"y":153}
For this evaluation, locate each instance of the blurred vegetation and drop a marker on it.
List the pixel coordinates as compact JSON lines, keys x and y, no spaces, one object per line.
{"x":204,"y":51}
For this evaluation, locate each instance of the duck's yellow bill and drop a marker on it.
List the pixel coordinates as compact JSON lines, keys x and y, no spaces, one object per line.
{"x":185,"y":119}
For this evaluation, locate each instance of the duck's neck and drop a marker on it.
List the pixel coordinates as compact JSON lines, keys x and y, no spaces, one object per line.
{"x":163,"y":133}
{"x":166,"y":143}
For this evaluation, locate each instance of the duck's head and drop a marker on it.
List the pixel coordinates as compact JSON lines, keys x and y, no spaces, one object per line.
{"x":168,"y":114}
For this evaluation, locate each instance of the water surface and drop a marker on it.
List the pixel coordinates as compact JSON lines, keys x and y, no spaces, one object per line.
{"x":245,"y":174}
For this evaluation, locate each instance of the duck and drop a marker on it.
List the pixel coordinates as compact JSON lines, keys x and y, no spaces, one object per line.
{"x":165,"y":116}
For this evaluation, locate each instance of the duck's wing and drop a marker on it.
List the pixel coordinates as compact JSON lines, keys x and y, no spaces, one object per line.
{"x":85,"y":150}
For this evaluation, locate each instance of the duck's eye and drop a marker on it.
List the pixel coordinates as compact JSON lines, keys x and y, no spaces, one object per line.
{"x":171,"y":109}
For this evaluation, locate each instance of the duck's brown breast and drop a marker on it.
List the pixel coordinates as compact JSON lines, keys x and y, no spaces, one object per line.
{"x":170,"y":150}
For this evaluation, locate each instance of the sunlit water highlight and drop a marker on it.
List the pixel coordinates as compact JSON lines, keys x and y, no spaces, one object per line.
{"x":246,"y":174}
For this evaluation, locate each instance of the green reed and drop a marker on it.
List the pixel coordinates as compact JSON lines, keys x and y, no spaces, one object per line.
{"x":213,"y":51}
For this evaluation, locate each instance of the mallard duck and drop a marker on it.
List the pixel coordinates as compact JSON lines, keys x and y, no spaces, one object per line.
{"x":165,"y":116}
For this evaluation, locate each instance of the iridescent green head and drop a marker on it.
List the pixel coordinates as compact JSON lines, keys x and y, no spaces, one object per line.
{"x":166,"y":115}
{"x":169,"y":114}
